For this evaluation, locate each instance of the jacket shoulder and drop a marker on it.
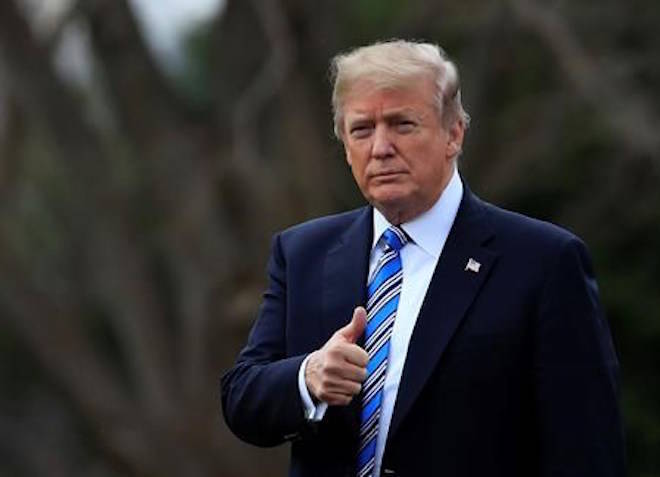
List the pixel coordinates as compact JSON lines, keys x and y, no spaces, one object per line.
{"x":320,"y":229}
{"x":520,"y":228}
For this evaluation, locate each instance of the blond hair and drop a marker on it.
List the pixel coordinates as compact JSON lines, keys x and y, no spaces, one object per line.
{"x":392,"y":64}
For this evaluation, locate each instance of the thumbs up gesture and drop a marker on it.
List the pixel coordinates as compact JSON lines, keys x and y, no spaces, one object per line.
{"x":352,"y":331}
{"x":334,"y":373}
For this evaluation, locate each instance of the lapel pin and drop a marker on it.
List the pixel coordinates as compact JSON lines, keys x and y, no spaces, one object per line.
{"x":472,"y":266}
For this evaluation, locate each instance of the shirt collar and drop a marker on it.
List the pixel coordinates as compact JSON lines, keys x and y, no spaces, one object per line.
{"x":430,"y":229}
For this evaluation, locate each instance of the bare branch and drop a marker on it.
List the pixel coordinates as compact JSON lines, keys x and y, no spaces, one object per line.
{"x":266,"y":83}
{"x":101,"y":216}
{"x":65,"y":19}
{"x":634,"y":124}
{"x":54,"y":335}
{"x":194,"y":291}
{"x":12,"y":129}
{"x":55,"y":339}
{"x":37,"y":89}
{"x":119,"y":275}
{"x":201,"y":252}
{"x":64,"y":350}
{"x":145,"y":104}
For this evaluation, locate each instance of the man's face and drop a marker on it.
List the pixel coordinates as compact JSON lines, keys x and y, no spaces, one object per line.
{"x":400,"y":154}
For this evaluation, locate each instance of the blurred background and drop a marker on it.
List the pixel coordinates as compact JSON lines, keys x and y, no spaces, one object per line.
{"x":149,"y":149}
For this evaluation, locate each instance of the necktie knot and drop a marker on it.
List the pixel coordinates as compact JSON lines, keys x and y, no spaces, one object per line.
{"x":395,"y":238}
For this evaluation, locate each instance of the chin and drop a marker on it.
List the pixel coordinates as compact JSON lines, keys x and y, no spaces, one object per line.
{"x":390,"y":202}
{"x":397,"y":204}
{"x":390,"y":193}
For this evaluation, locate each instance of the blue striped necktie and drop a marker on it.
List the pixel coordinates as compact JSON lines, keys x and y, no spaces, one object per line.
{"x":382,"y":301}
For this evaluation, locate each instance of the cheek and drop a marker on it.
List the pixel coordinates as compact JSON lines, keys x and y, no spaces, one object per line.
{"x":356,"y":159}
{"x":357,"y":169}
{"x":354,"y":154}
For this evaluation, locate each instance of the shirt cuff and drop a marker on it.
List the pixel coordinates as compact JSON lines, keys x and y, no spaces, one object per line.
{"x":312,"y":413}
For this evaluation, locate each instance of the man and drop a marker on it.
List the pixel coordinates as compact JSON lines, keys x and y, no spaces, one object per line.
{"x":429,"y":333}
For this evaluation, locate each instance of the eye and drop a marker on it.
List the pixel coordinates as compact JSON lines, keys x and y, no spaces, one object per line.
{"x":360,"y":131}
{"x":404,"y":126}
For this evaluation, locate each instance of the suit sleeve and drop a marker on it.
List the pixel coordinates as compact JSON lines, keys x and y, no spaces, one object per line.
{"x":260,"y":397}
{"x":575,"y":370}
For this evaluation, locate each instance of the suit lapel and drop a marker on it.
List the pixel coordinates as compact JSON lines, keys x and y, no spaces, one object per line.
{"x":450,"y":293}
{"x":345,"y":274}
{"x":344,"y":287}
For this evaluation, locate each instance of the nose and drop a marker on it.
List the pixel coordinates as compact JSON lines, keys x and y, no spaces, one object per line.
{"x":382,"y":146}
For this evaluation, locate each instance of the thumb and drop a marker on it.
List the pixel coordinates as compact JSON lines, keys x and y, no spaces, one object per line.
{"x":352,"y":331}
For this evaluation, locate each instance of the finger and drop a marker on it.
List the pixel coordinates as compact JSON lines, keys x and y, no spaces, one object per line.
{"x":352,"y":372}
{"x":338,"y":399}
{"x":344,"y":387}
{"x":355,"y":355}
{"x":352,"y":331}
{"x":333,"y":385}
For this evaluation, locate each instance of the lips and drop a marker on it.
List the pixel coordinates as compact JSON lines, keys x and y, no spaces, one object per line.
{"x":387,"y":174}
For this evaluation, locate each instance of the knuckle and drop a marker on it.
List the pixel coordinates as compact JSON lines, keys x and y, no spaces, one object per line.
{"x":333,"y":367}
{"x":334,"y":352}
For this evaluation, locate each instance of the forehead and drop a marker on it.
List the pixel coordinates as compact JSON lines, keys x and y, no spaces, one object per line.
{"x":367,"y":98}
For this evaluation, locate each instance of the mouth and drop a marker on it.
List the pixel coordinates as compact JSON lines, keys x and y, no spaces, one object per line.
{"x":386,"y":175}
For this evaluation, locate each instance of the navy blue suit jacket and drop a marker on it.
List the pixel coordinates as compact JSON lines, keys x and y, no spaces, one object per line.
{"x":510,"y":371}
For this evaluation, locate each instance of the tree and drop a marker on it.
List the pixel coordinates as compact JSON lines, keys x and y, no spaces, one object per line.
{"x":135,"y":214}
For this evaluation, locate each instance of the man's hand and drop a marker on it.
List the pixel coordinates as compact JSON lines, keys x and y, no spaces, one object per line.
{"x":334,"y":373}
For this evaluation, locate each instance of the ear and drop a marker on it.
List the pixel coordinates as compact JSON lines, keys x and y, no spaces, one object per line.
{"x":455,"y":138}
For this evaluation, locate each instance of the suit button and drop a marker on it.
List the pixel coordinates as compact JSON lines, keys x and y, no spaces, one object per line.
{"x":388,"y":473}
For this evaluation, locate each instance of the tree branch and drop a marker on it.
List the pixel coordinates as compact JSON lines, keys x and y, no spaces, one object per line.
{"x":71,"y":14}
{"x":635,"y":125}
{"x":265,"y":85}
{"x":118,"y":275}
{"x":101,"y":216}
{"x":55,"y":339}
{"x":146,"y":106}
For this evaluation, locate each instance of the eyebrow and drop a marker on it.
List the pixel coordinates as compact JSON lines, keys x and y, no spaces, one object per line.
{"x":402,"y":114}
{"x":359,"y":116}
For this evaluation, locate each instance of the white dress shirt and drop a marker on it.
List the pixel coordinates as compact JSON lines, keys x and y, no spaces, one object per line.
{"x":428,"y":233}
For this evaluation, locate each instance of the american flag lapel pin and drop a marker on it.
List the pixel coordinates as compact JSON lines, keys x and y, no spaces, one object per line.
{"x":472,"y":266}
